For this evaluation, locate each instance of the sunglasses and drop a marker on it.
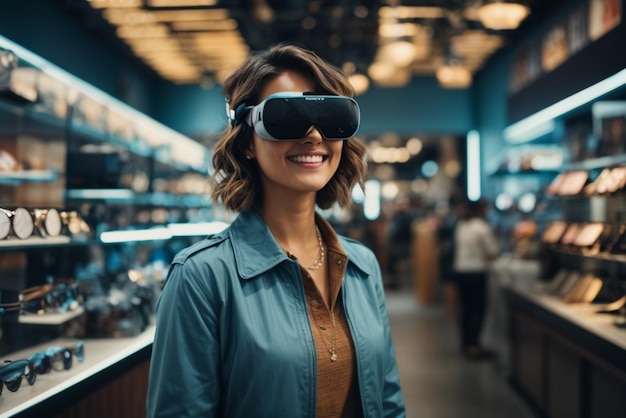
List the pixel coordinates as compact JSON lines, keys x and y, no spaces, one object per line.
{"x":40,"y":299}
{"x":289,"y":116}
{"x":57,"y":358}
{"x":12,"y":372}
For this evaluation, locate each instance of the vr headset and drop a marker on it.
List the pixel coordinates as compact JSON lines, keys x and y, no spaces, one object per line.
{"x":288,"y":116}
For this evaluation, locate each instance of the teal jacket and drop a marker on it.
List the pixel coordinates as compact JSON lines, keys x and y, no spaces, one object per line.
{"x":233,"y":338}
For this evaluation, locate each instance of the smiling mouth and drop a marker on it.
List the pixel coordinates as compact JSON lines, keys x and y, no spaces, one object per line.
{"x":307,"y":159}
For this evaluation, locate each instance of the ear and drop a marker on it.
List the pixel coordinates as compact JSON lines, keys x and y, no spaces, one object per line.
{"x":249,"y":151}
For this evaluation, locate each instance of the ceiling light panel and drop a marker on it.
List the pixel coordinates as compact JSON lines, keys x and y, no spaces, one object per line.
{"x":186,"y":26}
{"x":101,"y":4}
{"x":143,"y":31}
{"x":190,"y":15}
{"x":411,"y":12}
{"x":128,"y":16}
{"x":140,"y":45}
{"x":180,"y":3}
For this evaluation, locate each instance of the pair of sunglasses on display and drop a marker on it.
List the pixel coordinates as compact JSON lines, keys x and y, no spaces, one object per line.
{"x":12,"y":372}
{"x":289,"y":116}
{"x":57,"y":298}
{"x":57,"y":358}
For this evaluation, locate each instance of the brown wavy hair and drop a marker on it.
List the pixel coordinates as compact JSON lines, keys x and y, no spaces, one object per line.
{"x":236,"y":181}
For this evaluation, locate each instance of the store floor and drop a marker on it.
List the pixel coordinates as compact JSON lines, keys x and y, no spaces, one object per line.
{"x":437,"y":381}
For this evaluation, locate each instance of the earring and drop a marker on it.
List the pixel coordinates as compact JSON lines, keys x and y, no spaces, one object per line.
{"x":249,"y":157}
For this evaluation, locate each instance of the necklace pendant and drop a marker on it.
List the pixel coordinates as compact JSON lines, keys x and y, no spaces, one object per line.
{"x":333,"y":357}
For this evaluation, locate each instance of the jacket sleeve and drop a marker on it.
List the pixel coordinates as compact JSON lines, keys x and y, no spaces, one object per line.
{"x":184,"y":369}
{"x":393,"y":402}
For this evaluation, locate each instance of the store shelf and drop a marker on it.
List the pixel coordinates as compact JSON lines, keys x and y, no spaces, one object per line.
{"x":33,"y":114}
{"x":107,"y":195}
{"x":584,"y":316}
{"x":596,"y":163}
{"x":524,"y":173}
{"x":100,"y":354}
{"x":50,"y":318}
{"x":33,"y":242}
{"x":173,"y":200}
{"x":127,"y":196}
{"x":59,"y":129}
{"x":32,"y":176}
{"x":88,"y":133}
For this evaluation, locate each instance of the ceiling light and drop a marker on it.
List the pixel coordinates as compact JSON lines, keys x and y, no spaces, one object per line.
{"x":190,"y":15}
{"x":394,"y":29}
{"x":126,"y":16}
{"x":142,"y":31}
{"x":401,"y":53}
{"x":411,"y":12}
{"x":202,"y":26}
{"x":262,"y":12}
{"x":502,"y":15}
{"x":181,"y":3}
{"x":360,"y":83}
{"x":101,"y":4}
{"x":381,"y":70}
{"x":454,"y":76}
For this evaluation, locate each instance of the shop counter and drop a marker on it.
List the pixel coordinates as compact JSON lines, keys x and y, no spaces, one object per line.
{"x":567,"y":360}
{"x":111,"y":381}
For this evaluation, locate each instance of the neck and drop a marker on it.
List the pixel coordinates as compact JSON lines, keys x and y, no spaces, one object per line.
{"x":292,"y":221}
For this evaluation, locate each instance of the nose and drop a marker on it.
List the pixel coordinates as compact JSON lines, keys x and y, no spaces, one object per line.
{"x":314,"y":136}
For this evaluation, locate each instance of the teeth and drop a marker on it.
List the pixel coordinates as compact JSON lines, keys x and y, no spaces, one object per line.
{"x":307,"y":159}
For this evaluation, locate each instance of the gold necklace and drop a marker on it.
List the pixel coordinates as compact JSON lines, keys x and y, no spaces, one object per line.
{"x":319,"y":261}
{"x":332,"y":350}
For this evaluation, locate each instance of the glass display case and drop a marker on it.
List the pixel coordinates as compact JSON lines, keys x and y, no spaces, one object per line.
{"x":95,"y":199}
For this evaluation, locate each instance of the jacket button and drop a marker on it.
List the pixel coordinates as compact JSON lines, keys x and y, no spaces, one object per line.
{"x":314,"y":302}
{"x":339,"y":262}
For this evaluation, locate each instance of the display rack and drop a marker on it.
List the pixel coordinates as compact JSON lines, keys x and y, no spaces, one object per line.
{"x":106,"y":168}
{"x":568,"y":354}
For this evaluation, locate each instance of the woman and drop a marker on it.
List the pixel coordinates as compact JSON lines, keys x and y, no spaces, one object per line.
{"x":475,"y":247}
{"x":277,"y":316}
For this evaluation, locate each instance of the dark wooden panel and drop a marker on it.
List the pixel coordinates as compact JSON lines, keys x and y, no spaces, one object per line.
{"x":608,"y":394}
{"x":563,"y":381}
{"x":123,"y":397}
{"x":528,"y":364}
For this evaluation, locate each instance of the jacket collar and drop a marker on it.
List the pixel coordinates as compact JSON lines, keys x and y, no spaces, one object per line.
{"x":256,"y":251}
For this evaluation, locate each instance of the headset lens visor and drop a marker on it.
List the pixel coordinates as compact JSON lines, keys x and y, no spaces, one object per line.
{"x":290,"y":116}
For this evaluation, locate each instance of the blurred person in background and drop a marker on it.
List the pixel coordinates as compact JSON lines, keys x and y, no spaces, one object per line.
{"x":475,"y":247}
{"x":277,"y":315}
{"x":398,"y":242}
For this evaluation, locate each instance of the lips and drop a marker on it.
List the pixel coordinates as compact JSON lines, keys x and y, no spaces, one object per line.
{"x":307,"y":159}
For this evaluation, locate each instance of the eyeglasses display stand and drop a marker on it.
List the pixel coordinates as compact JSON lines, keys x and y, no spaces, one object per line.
{"x":95,"y":196}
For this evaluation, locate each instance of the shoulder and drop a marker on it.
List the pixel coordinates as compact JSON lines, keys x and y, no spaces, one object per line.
{"x":196,"y":268}
{"x":358,"y":253}
{"x":206,"y":247}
